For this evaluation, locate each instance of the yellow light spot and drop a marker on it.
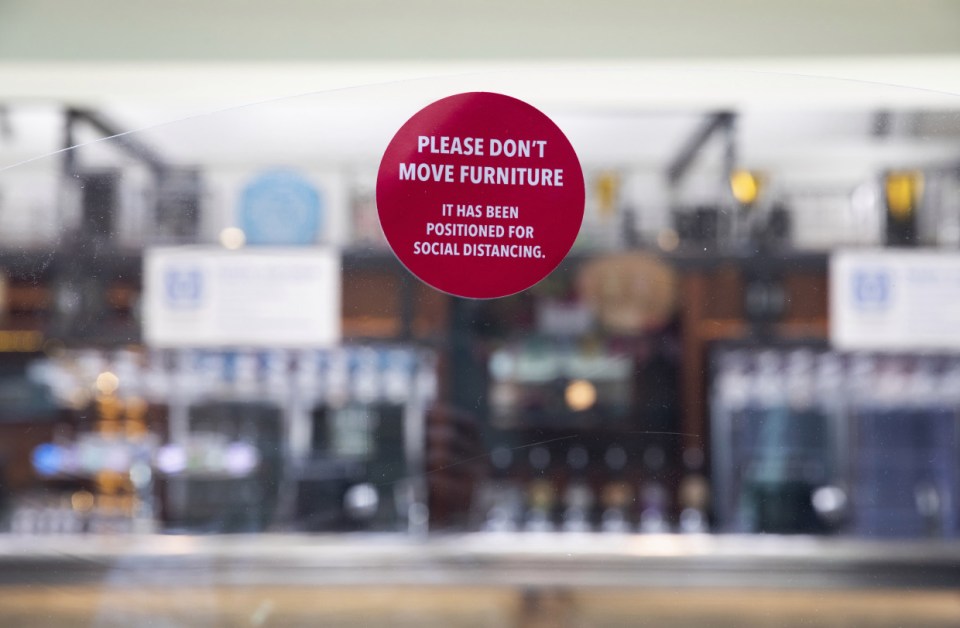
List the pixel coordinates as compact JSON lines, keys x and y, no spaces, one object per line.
{"x":82,"y":501}
{"x":107,"y":383}
{"x":580,"y":395}
{"x":668,"y":240}
{"x":745,"y":186}
{"x":903,"y":192}
{"x":233,"y":238}
{"x":607,"y":188}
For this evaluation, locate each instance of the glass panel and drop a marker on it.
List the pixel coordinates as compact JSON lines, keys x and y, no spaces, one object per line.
{"x":223,"y":399}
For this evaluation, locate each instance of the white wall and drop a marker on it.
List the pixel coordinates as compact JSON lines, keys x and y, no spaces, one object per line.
{"x":298,"y":30}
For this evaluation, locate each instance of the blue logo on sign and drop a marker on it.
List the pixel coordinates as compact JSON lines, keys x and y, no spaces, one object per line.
{"x":280,"y":207}
{"x":183,"y":288}
{"x":871,"y":289}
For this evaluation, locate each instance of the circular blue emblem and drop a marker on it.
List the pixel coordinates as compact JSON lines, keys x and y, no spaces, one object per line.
{"x":280,"y":207}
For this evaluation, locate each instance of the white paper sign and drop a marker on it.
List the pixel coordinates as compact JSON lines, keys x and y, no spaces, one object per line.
{"x":212,"y":297}
{"x":895,"y":300}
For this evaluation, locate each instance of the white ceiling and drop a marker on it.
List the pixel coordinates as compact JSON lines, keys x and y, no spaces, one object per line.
{"x":282,"y":31}
{"x":326,"y":129}
{"x":235,"y":81}
{"x":196,"y":55}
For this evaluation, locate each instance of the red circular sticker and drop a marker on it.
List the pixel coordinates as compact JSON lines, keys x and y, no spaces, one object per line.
{"x":480,"y":195}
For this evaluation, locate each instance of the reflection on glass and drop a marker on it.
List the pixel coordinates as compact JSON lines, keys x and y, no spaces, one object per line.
{"x":676,"y":380}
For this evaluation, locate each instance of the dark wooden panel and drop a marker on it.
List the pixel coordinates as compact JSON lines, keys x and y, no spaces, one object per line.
{"x":371,"y":303}
{"x":807,"y":296}
{"x":723,"y":296}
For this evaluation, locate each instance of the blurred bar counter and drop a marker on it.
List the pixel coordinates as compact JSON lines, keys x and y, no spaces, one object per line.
{"x":480,"y":559}
{"x":476,"y":580}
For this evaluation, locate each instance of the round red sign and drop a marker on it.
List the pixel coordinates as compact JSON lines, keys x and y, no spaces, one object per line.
{"x":480,"y":195}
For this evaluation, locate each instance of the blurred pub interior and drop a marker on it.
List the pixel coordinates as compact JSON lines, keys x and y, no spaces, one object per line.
{"x":675,"y":373}
{"x":746,"y":368}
